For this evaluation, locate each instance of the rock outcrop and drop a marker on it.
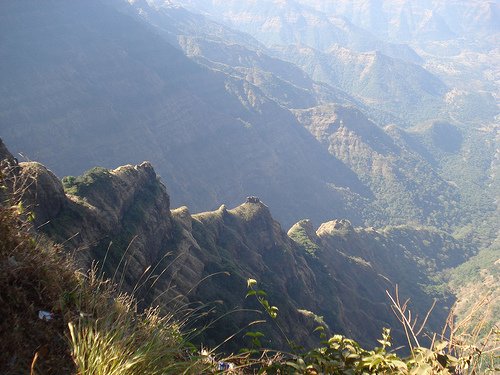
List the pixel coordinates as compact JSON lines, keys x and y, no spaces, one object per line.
{"x":122,"y":219}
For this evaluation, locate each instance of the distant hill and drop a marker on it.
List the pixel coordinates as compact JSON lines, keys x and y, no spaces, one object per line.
{"x":403,"y":89}
{"x":456,"y":40}
{"x":291,"y":23}
{"x":394,"y":51}
{"x":403,"y":181}
{"x":88,"y":85}
{"x":425,"y":20}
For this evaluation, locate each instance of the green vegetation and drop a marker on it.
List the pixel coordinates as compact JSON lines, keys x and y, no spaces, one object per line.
{"x":470,"y":168}
{"x":96,"y":176}
{"x":341,"y":355}
{"x":299,"y":235}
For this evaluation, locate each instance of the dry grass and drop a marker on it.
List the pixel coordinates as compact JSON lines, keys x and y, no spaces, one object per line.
{"x":33,"y":276}
{"x":94,"y":330}
{"x":460,"y":346}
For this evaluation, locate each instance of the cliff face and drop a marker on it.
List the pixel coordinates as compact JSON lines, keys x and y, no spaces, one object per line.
{"x":122,"y":219}
{"x":365,"y":263}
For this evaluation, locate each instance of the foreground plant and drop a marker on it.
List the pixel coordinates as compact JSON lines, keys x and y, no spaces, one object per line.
{"x":341,"y":355}
{"x":128,"y":343}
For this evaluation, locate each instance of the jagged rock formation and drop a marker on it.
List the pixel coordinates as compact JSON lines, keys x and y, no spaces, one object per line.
{"x":122,"y":217}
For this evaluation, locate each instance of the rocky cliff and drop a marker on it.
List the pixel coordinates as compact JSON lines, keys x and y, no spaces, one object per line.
{"x":122,"y":219}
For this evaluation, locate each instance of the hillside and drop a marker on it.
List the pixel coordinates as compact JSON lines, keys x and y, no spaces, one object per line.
{"x":404,"y":182}
{"x":412,"y":60}
{"x":446,"y":146}
{"x":122,"y":217}
{"x":456,"y":41}
{"x":476,"y":284}
{"x":291,"y":23}
{"x":111,"y":93}
{"x":401,"y":88}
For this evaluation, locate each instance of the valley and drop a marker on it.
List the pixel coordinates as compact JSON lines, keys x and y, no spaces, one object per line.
{"x":333,"y":153}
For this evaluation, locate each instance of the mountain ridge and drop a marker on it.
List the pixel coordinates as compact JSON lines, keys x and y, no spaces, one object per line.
{"x":122,"y":217}
{"x":178,"y":104}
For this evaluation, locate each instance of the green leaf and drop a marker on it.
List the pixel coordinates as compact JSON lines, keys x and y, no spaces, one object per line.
{"x":250,"y":293}
{"x":294,"y":365}
{"x":254,"y":334}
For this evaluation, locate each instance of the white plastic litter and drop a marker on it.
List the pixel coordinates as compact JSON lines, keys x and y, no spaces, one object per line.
{"x":225,"y":366}
{"x":45,"y":315}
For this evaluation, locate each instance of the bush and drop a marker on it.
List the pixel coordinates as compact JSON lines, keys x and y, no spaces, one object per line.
{"x":80,"y":185}
{"x":341,"y":355}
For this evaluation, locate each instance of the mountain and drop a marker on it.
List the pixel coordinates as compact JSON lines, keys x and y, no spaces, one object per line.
{"x":419,"y":96}
{"x":426,"y":20}
{"x":403,"y":89}
{"x":239,"y":55}
{"x":441,"y":85}
{"x":456,"y":40}
{"x":122,"y":218}
{"x":291,"y":23}
{"x":230,"y":101}
{"x":404,"y":182}
{"x":278,"y":79}
{"x":108,"y":90}
{"x":418,"y":172}
{"x":410,"y":46}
